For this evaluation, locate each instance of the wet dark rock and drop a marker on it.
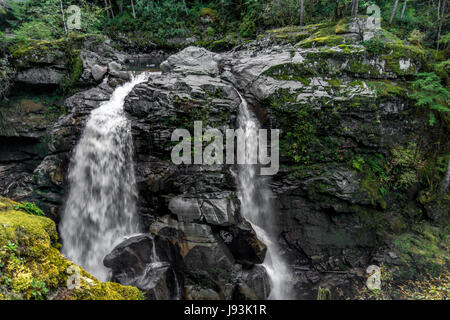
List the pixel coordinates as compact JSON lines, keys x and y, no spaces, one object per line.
{"x":40,"y":76}
{"x":153,"y":264}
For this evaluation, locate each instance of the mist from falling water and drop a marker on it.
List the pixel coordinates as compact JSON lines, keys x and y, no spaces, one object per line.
{"x":256,"y":206}
{"x":101,"y":206}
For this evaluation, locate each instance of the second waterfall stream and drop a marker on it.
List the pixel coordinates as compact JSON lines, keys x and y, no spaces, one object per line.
{"x":101,"y":207}
{"x":256,"y":206}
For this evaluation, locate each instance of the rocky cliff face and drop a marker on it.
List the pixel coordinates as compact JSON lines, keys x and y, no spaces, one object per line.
{"x":349,"y":189}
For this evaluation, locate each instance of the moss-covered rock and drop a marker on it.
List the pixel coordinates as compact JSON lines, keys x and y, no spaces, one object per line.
{"x":423,"y":250}
{"x":31,"y":266}
{"x":289,"y":34}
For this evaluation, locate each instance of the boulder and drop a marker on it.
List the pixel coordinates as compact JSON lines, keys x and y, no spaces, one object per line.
{"x":193,"y":60}
{"x":151,"y":263}
{"x":243,"y":243}
{"x":98,"y":72}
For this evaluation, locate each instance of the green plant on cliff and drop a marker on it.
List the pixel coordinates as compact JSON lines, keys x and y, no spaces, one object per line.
{"x":38,"y":290}
{"x":324,"y":294}
{"x":75,"y":67}
{"x":429,"y":93}
{"x":403,"y":166}
{"x":299,"y":122}
{"x":30,"y":208}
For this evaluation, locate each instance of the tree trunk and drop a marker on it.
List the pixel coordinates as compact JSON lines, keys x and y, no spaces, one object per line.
{"x":120,"y":6}
{"x":394,"y":9}
{"x":403,"y":9}
{"x":107,"y":10}
{"x":111,"y":8}
{"x":132,"y":8}
{"x":302,"y":11}
{"x":62,"y":15}
{"x":446,"y":178}
{"x":442,"y":14}
{"x":355,"y":4}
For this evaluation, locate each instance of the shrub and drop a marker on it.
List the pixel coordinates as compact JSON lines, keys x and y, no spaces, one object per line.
{"x":282,"y":12}
{"x":374,"y":46}
{"x":34,"y":30}
{"x":248,"y":26}
{"x":430,"y":93}
{"x":416,"y":37}
{"x":208,"y":12}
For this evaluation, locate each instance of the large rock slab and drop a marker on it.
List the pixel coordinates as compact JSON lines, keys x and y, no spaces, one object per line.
{"x":151,"y":263}
{"x":40,"y":76}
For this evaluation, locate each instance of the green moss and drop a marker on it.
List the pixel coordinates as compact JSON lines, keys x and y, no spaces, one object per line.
{"x":75,"y":66}
{"x":330,"y":40}
{"x":305,"y":129}
{"x":226,"y":43}
{"x":389,"y":48}
{"x":423,"y":250}
{"x":108,"y":291}
{"x":29,"y":52}
{"x":342,"y":26}
{"x":289,"y":34}
{"x":34,"y":235}
{"x":31,"y":266}
{"x":336,"y":83}
{"x":388,"y":89}
{"x":291,"y":71}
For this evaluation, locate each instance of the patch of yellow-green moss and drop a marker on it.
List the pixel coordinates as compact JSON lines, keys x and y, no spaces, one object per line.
{"x":108,"y":291}
{"x":289,"y":34}
{"x":35,"y":51}
{"x":342,"y":26}
{"x":388,"y":88}
{"x":324,"y":35}
{"x":329,"y":40}
{"x":31,"y":266}
{"x":291,"y":71}
{"x":29,"y":52}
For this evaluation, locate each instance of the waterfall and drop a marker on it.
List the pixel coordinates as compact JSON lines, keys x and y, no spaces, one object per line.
{"x":256,"y":206}
{"x":101,"y":206}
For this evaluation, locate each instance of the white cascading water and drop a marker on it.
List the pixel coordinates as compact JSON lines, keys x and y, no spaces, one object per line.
{"x":256,"y":206}
{"x":101,"y":207}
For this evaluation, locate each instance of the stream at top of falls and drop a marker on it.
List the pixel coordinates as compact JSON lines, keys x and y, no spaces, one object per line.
{"x":101,"y":206}
{"x":256,"y":207}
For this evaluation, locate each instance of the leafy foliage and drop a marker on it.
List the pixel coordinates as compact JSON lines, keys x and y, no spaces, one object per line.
{"x":30,"y":208}
{"x":38,"y":290}
{"x":430,"y":94}
{"x":160,"y":19}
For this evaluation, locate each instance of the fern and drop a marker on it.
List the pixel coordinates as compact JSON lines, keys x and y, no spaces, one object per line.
{"x":30,"y":208}
{"x":429,"y":93}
